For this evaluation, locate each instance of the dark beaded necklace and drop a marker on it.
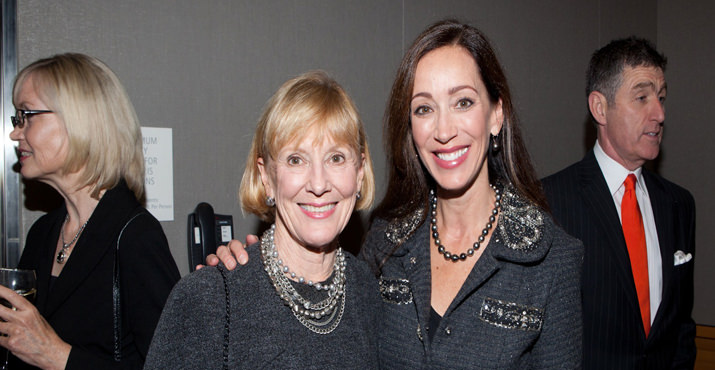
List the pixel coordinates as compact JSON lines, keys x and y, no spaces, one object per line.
{"x":470,"y":252}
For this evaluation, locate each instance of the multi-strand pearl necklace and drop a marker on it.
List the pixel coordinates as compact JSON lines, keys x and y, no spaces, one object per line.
{"x":321,"y":317}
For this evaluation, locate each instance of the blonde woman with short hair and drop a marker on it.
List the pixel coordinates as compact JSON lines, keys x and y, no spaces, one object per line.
{"x":301,"y":303}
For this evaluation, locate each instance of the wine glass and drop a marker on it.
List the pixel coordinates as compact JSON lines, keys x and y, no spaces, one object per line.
{"x":23,"y":283}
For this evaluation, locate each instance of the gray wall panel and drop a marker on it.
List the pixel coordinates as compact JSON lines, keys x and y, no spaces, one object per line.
{"x":207,"y":68}
{"x":685,"y":31}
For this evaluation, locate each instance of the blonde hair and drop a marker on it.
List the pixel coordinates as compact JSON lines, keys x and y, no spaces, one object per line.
{"x":105,"y":140}
{"x":312,"y":103}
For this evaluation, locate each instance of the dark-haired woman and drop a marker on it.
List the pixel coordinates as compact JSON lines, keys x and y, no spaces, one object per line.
{"x":473,"y":271}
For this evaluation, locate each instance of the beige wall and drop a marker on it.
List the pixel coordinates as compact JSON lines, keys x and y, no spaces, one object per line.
{"x":205,"y":69}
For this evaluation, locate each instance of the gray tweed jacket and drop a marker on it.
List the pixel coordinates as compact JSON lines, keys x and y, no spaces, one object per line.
{"x":263,"y":333}
{"x":519,"y":308}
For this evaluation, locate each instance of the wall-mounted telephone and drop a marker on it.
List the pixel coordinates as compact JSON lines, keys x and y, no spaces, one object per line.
{"x":206,"y":231}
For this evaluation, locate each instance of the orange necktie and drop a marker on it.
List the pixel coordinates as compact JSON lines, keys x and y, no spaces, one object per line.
{"x":635,"y":241}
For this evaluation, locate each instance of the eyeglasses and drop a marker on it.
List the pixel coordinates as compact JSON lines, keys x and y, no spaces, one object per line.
{"x":21,"y":116}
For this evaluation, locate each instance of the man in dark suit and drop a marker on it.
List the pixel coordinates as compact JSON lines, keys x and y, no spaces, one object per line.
{"x":638,"y":228}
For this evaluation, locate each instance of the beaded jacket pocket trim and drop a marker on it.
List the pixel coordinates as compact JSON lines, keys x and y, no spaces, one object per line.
{"x":511,"y":315}
{"x":395,"y":291}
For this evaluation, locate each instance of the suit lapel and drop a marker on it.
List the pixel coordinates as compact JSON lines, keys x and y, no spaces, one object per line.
{"x":599,"y":203}
{"x":97,"y":239}
{"x":662,"y":206}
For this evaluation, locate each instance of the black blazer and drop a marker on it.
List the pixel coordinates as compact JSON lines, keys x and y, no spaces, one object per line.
{"x":78,"y":305}
{"x":613,"y":334}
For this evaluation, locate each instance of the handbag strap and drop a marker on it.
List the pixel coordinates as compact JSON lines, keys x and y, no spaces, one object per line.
{"x":116,"y":297}
{"x":227,"y":324}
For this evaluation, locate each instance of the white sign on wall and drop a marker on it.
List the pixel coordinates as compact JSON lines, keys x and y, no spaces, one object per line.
{"x":159,"y":172}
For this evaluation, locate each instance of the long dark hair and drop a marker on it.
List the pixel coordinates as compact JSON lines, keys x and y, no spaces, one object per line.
{"x":409,"y":181}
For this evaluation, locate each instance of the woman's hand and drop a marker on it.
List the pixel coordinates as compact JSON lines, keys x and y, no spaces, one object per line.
{"x":28,"y":335}
{"x":229,"y":254}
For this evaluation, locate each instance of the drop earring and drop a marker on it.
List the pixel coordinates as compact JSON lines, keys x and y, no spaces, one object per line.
{"x":495,"y":143}
{"x":270,"y":201}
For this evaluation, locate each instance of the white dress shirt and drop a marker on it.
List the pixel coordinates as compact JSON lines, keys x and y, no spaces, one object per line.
{"x":615,"y":174}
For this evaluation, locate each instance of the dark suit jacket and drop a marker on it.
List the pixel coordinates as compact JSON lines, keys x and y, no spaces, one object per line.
{"x":78,"y":305}
{"x":613,"y":335}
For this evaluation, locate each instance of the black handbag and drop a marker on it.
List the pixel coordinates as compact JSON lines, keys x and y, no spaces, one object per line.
{"x":117,"y":298}
{"x":227,"y":324}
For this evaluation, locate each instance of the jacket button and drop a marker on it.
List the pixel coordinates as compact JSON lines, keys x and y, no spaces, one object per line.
{"x":448,"y":330}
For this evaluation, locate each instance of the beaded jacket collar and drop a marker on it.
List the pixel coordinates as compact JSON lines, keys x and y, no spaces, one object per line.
{"x":520,"y":227}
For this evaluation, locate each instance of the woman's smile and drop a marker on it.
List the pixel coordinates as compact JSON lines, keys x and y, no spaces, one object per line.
{"x":450,"y":158}
{"x":318,"y":211}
